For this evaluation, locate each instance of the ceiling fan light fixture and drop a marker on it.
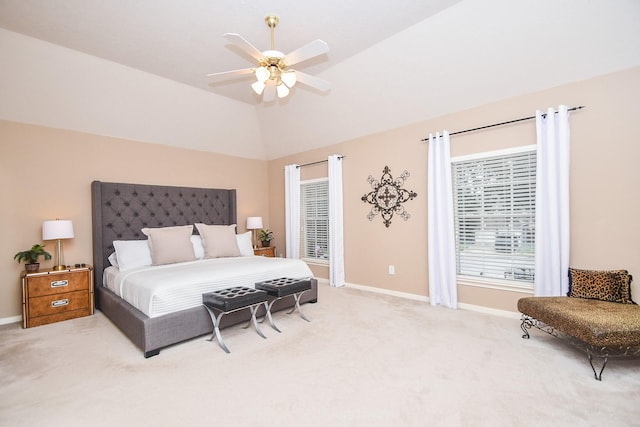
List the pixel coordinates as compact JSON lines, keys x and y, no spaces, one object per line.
{"x":288,"y":78}
{"x":271,"y":70}
{"x":258,"y":87}
{"x":262,"y":74}
{"x":282,"y":90}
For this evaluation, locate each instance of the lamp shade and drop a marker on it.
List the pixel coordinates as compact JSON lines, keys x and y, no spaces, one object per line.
{"x":282,"y":90}
{"x":57,"y":229}
{"x":254,"y":222}
{"x":258,"y":87}
{"x":288,"y":78}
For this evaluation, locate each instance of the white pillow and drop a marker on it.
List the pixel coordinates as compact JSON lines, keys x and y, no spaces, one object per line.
{"x":244,"y":244}
{"x":196,"y":241}
{"x":113,"y":259}
{"x":132,"y":254}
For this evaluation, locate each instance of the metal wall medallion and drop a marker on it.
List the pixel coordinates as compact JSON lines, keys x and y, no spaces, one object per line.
{"x":388,"y":196}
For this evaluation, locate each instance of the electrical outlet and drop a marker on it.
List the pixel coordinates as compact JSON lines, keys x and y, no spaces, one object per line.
{"x":392,"y":269}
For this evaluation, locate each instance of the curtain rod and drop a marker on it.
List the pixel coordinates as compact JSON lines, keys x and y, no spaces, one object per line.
{"x":504,"y":123}
{"x":318,"y":162}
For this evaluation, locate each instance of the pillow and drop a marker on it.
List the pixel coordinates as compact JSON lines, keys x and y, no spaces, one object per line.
{"x":132,"y":254}
{"x":169,"y":245}
{"x":198,"y":249}
{"x":244,"y":244}
{"x":219,"y":240}
{"x":613,"y":285}
{"x":113,"y":259}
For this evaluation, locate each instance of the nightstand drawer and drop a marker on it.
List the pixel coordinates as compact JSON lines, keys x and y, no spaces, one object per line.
{"x":269,"y":251}
{"x":50,"y":284}
{"x":59,"y":303}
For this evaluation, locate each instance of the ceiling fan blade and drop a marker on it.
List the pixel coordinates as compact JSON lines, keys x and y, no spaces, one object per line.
{"x":228,"y":75}
{"x":308,"y":51}
{"x":269,"y":93}
{"x":243,"y":44}
{"x":313,"y":81}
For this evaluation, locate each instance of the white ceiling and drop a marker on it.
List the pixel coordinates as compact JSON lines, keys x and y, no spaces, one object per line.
{"x":390,"y":63}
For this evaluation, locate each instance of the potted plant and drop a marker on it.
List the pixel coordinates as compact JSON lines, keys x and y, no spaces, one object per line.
{"x":30,"y":257}
{"x":265,"y":236}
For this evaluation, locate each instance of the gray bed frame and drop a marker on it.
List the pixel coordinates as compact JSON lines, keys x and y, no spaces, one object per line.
{"x":119,"y":212}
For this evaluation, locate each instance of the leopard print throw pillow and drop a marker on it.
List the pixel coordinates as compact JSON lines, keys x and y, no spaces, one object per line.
{"x":612,"y":285}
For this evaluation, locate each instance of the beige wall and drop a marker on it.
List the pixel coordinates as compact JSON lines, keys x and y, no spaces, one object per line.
{"x":46,"y":174}
{"x":604,"y":184}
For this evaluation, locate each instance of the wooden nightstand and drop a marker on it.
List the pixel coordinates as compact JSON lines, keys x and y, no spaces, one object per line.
{"x":50,"y":296}
{"x":269,"y":251}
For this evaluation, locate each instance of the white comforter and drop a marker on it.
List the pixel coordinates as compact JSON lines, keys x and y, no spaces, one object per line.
{"x":159,"y":290}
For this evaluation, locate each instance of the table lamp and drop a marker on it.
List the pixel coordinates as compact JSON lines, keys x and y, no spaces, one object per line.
{"x":57,"y":230}
{"x":254,"y":223}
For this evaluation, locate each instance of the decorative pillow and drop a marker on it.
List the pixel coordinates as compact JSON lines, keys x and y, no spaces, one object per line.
{"x":219,"y":240}
{"x":244,"y":244}
{"x":613,"y":285}
{"x":198,"y":249}
{"x":169,"y":245}
{"x":132,"y":254}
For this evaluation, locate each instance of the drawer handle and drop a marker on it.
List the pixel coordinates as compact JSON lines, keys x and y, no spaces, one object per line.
{"x":58,"y":283}
{"x":60,"y":302}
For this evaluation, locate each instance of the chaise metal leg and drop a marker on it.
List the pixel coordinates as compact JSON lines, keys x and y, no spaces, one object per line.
{"x":525,"y":326}
{"x":597,"y":375}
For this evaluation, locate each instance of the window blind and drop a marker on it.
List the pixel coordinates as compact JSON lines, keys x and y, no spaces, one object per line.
{"x":494,"y":209}
{"x":315,"y":219}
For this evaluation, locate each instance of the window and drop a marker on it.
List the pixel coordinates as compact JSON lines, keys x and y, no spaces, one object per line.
{"x":494,"y":214}
{"x":315,"y":219}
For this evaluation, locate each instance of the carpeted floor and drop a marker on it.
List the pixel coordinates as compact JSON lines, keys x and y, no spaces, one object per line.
{"x":365,"y":360}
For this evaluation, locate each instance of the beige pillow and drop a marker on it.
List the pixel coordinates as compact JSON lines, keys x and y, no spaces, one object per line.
{"x":169,"y":245}
{"x":219,"y":240}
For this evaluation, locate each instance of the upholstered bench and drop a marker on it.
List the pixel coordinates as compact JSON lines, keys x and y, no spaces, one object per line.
{"x":281,"y":288}
{"x":229,"y":300}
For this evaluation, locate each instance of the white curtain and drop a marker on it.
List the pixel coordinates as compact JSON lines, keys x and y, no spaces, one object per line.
{"x":552,"y":203}
{"x":292,"y":210}
{"x":336,"y":238}
{"x":441,"y":237}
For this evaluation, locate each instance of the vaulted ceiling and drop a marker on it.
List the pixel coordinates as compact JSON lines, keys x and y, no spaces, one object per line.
{"x":390,"y":63}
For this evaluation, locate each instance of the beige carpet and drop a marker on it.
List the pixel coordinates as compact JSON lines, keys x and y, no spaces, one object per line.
{"x":364,"y":360}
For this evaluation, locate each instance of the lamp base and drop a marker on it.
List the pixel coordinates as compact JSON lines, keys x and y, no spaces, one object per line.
{"x":59,"y":267}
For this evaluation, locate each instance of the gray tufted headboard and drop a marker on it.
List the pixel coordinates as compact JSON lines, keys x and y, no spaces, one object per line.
{"x":120,"y":211}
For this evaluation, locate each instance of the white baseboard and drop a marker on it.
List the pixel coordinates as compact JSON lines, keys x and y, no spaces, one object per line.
{"x":7,"y":320}
{"x":464,"y":306}
{"x":388,"y":292}
{"x":489,"y":310}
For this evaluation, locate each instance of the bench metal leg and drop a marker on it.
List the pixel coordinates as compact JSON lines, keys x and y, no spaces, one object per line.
{"x":254,"y":309}
{"x":297,"y":306}
{"x":216,"y":330}
{"x":268,"y":314}
{"x":216,"y":323}
{"x":296,"y":297}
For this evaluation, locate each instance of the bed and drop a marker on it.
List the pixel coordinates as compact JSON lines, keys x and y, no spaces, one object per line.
{"x":119,"y":212}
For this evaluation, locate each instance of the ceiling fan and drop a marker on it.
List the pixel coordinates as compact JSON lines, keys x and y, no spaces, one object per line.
{"x":273,"y":75}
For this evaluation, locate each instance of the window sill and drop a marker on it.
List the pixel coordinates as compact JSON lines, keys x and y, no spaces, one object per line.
{"x":501,"y":285}
{"x":316,"y":261}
